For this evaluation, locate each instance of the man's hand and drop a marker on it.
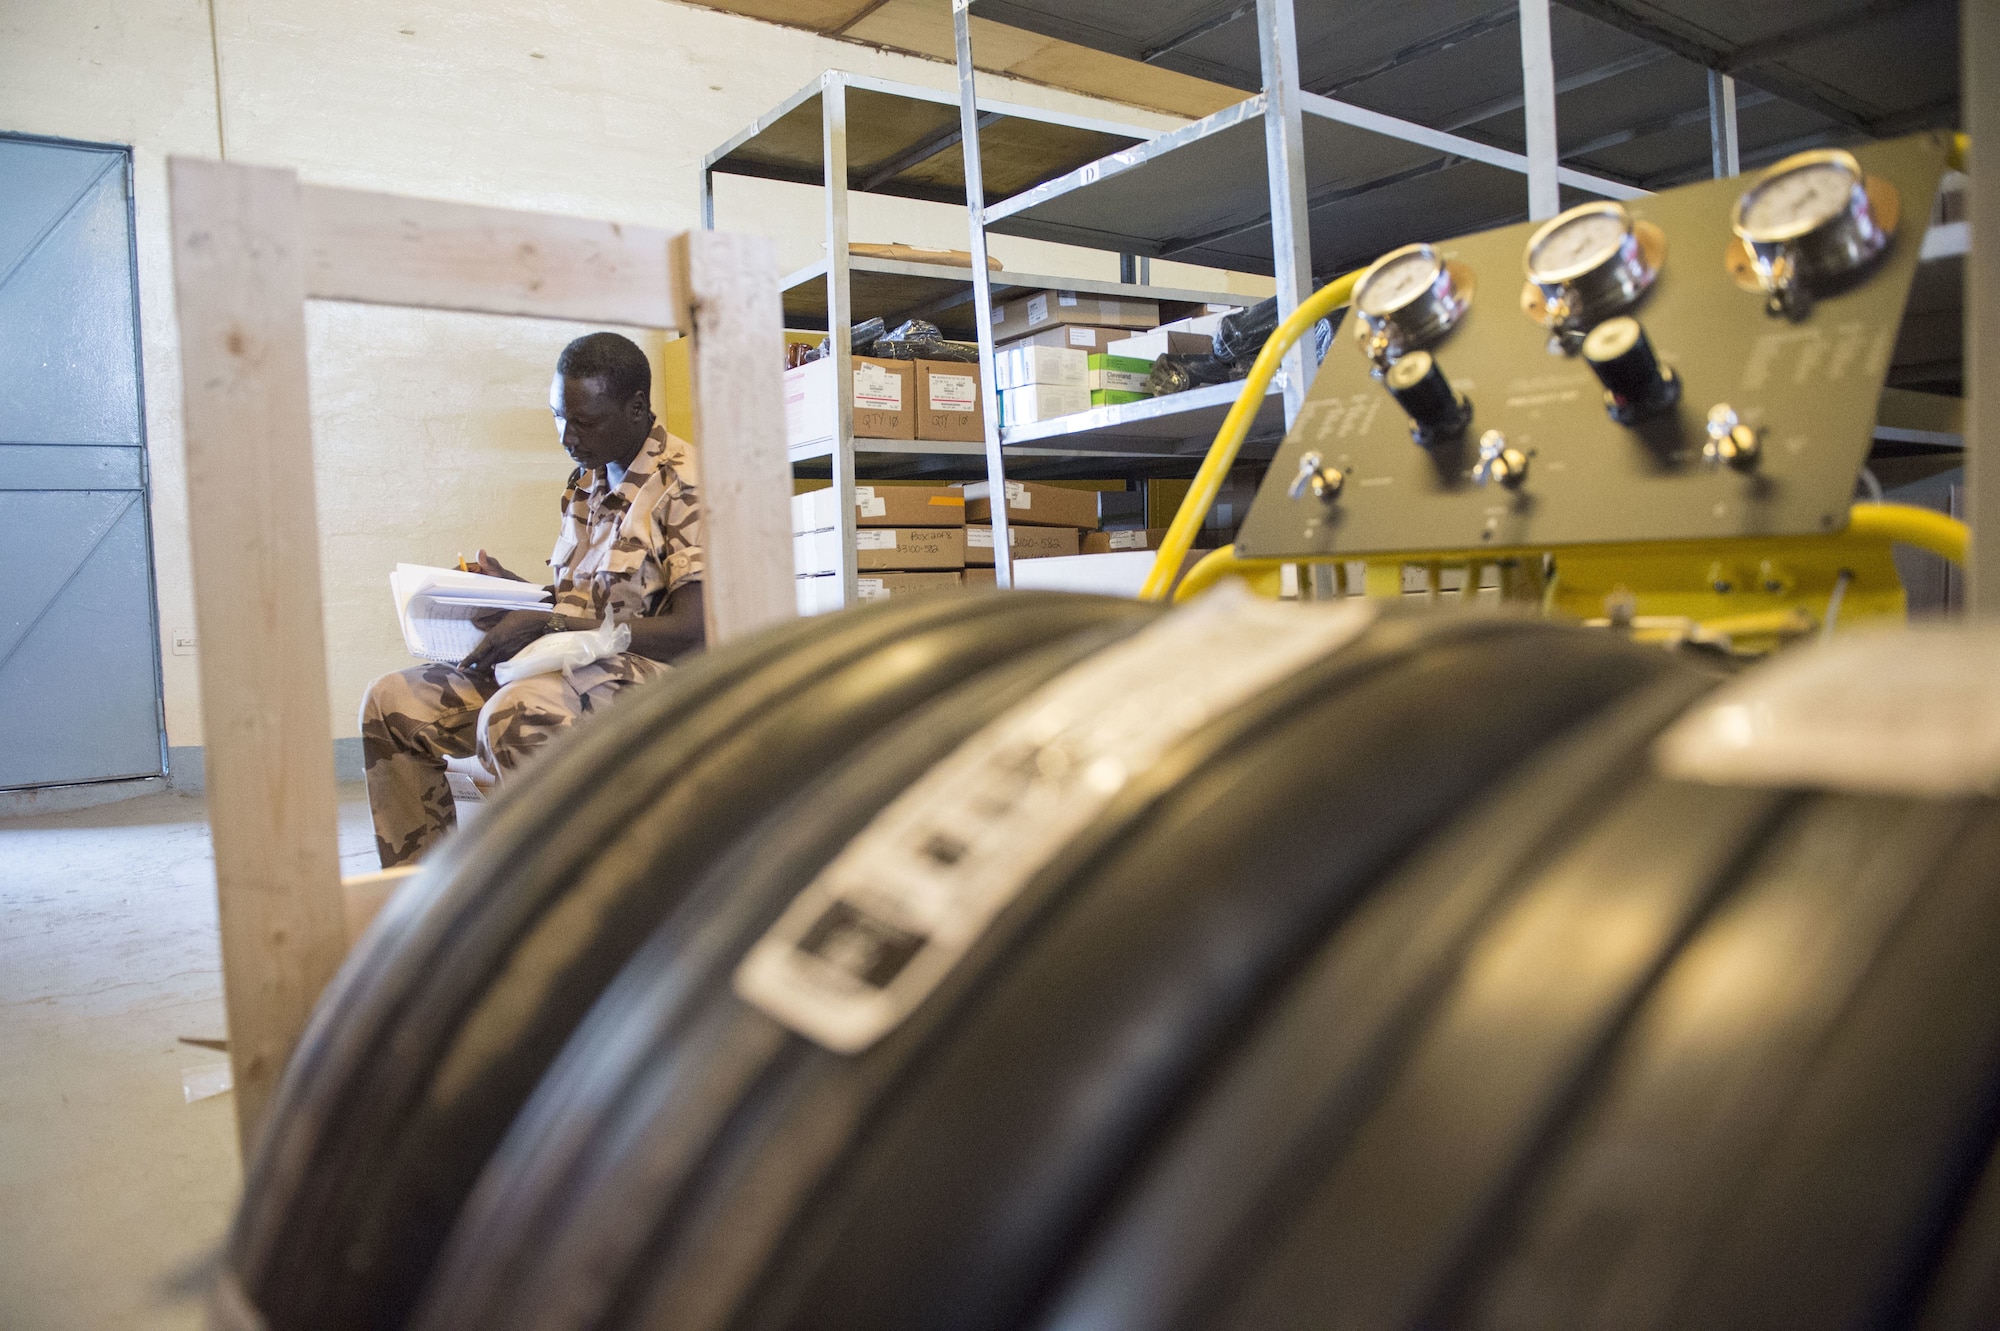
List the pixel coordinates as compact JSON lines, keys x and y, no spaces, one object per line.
{"x":487,"y":564}
{"x":505,"y":637}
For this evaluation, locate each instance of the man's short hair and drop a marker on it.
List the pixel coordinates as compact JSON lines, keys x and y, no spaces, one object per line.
{"x":615,"y":360}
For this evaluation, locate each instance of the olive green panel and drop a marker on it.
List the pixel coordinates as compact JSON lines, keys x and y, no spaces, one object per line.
{"x":1812,"y":386}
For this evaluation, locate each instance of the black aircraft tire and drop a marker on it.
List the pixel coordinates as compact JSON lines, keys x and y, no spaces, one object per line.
{"x":963,"y":1198}
{"x":439,"y":1028}
{"x":1191,"y":1216}
{"x":528,"y":1208}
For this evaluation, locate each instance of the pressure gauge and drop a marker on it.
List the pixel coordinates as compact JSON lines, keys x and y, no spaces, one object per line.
{"x":1408,"y":298}
{"x":1807,"y":222}
{"x":1586,"y":265}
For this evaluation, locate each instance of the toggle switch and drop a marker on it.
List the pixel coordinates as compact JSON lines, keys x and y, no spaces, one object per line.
{"x":1636,"y":384}
{"x":1420,"y":389}
{"x":1730,"y":442}
{"x":1324,"y":483}
{"x":1497,"y":462}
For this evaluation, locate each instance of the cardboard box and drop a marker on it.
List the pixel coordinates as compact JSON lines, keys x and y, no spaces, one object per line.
{"x":1105,"y":542}
{"x":1121,"y":573}
{"x":1077,"y":337}
{"x":949,"y":403}
{"x":1026,"y":543}
{"x":1061,"y":367}
{"x":1034,"y":505}
{"x":884,"y":400}
{"x":1161,"y":342}
{"x":881,"y":547}
{"x":1207,"y":325}
{"x":1032,"y":313}
{"x":888,"y":586}
{"x":986,"y":576}
{"x":819,"y":593}
{"x":881,"y":506}
{"x":1119,"y":374}
{"x":1032,"y":404}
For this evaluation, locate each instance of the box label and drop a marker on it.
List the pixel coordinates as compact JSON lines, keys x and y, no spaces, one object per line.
{"x":954,"y":392}
{"x":1128,"y":540}
{"x":1083,"y":337}
{"x":867,"y":504}
{"x":981,"y":538}
{"x":875,"y":538}
{"x":877,"y":389}
{"x":870,"y":589}
{"x":875,"y":933}
{"x":1066,"y":299}
{"x":1018,"y":496}
{"x":1038,"y":309}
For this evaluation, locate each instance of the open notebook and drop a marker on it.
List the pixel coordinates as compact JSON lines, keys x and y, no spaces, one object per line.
{"x":435,"y":606}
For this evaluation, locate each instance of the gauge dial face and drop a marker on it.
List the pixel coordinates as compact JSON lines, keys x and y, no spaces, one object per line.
{"x":1578,"y":244}
{"x":1798,"y":201}
{"x":1398,"y":281}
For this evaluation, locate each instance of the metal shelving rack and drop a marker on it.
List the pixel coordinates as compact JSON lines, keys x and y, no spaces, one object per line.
{"x":849,"y":133}
{"x":1387,"y":121}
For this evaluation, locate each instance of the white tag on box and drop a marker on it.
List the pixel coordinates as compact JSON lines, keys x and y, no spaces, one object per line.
{"x":954,"y":392}
{"x":1083,"y":337}
{"x":867,"y":504}
{"x":1038,"y":309}
{"x":1128,"y":540}
{"x":875,"y":538}
{"x":870,"y":589}
{"x":1018,"y":496}
{"x":981,"y":538}
{"x":1066,"y":298}
{"x":877,"y":389}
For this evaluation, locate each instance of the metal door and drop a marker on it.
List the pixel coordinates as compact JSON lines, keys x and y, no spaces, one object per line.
{"x":79,"y":651}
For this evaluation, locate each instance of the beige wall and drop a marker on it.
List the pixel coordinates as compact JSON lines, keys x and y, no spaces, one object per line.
{"x":432,"y":429}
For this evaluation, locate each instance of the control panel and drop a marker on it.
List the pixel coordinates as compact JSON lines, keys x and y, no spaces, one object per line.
{"x":1695,"y":364}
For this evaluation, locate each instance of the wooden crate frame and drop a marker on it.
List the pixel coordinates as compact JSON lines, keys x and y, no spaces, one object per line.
{"x":251,"y":245}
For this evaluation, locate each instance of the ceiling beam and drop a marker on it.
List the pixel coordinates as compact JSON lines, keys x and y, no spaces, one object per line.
{"x":1477,"y":26}
{"x":1196,"y":31}
{"x":1650,"y":55}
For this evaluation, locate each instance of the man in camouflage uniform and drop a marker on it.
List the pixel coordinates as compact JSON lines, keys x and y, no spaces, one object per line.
{"x":629,"y":550}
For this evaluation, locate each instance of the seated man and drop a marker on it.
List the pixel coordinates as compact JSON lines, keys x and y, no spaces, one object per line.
{"x":629,"y":548}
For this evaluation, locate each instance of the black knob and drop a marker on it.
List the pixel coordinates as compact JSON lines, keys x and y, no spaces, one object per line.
{"x":1420,"y":388}
{"x":1636,"y":385}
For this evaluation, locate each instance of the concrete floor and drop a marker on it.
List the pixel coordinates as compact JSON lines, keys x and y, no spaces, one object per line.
{"x":114,"y":1191}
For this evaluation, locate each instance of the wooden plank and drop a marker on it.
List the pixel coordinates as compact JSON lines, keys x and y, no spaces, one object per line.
{"x":384,"y":249}
{"x":239,"y":286}
{"x":737,"y":363}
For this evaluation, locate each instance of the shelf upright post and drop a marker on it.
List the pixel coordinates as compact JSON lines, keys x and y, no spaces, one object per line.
{"x":1723,"y":149}
{"x":982,"y":290}
{"x":839,"y":315}
{"x":1538,"y":108}
{"x":1285,"y":163}
{"x":1980,"y":100}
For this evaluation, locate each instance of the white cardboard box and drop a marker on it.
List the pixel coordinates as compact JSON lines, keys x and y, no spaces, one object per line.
{"x":1019,"y":366}
{"x":1033,"y":403}
{"x":1161,"y":342}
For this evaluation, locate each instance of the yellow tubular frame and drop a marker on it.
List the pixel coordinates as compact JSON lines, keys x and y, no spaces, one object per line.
{"x":1229,"y":439}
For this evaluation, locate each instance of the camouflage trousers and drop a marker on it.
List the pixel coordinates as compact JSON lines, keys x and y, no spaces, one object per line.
{"x":413,"y":720}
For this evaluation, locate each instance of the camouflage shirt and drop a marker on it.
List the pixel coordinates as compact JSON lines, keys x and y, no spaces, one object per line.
{"x":624,"y":549}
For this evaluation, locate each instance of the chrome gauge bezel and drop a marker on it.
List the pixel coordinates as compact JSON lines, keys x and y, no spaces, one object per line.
{"x":1570,"y":301}
{"x":1788,"y":262}
{"x":1421,"y":318}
